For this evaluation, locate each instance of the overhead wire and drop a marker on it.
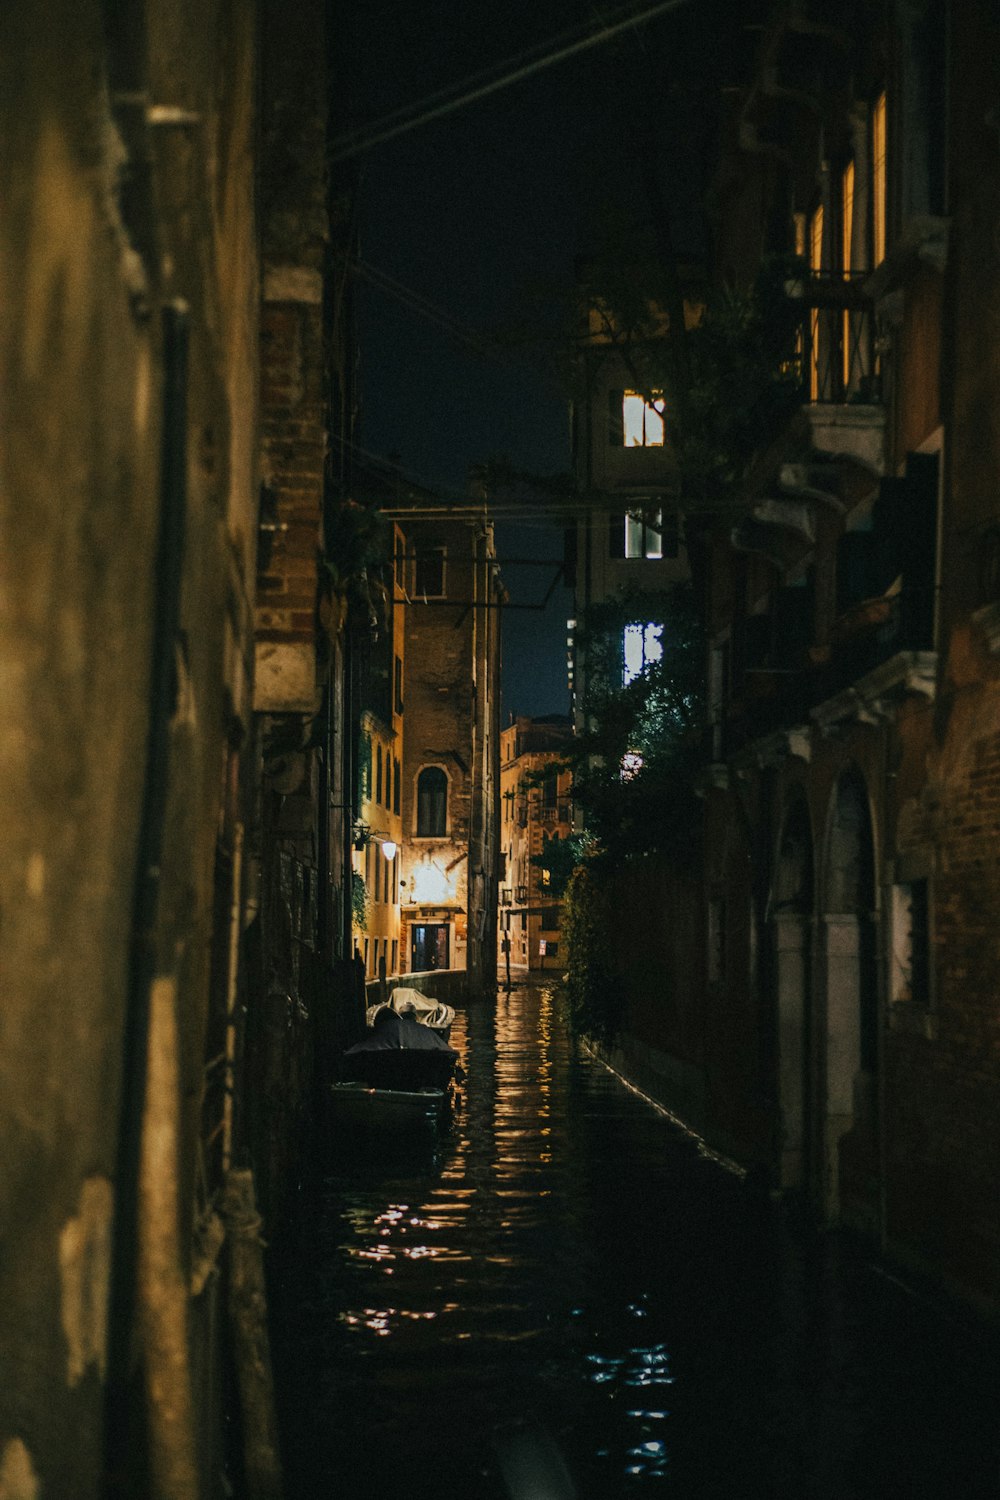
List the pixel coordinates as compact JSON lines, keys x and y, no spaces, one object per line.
{"x":445,"y":101}
{"x":444,"y":501}
{"x":417,"y":302}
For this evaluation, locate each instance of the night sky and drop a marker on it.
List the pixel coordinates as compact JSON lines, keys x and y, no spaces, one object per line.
{"x":481,"y":214}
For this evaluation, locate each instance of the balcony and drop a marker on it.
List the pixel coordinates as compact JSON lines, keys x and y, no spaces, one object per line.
{"x":521,"y":894}
{"x":505,"y":895}
{"x":839,"y":366}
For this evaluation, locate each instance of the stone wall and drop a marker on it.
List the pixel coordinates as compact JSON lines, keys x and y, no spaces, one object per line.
{"x":128,"y":283}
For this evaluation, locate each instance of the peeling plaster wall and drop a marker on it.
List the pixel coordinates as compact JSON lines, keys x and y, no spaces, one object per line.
{"x":78,"y":460}
{"x":81,"y":366}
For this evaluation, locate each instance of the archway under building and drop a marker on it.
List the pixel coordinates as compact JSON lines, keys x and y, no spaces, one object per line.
{"x":850,"y":1060}
{"x":792,"y":910}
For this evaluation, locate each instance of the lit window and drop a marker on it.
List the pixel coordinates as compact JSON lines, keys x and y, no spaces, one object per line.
{"x":432,"y":803}
{"x":642,"y":420}
{"x":799,"y":226}
{"x":815,"y":265}
{"x":642,"y":647}
{"x":644,"y":533}
{"x":878,"y":179}
{"x":846,"y":233}
{"x":631,"y":764}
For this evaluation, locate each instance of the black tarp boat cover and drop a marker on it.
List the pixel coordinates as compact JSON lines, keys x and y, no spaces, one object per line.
{"x":395,"y":1033}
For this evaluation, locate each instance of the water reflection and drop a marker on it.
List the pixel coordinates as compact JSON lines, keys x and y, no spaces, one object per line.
{"x":569,"y":1267}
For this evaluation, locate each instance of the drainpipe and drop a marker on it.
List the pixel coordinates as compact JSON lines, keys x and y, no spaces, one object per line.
{"x":143,"y":960}
{"x":232,"y":986}
{"x":884,"y":979}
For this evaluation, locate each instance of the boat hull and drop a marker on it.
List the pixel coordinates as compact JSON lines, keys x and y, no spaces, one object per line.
{"x":388,"y":1109}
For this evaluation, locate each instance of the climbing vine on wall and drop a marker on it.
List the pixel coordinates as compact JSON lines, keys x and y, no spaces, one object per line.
{"x":596,"y":1000}
{"x":359,"y":901}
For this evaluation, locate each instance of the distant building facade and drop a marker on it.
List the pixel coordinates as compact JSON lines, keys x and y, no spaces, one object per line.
{"x":630,"y":539}
{"x":536,"y":804}
{"x":379,"y":829}
{"x":450,"y":787}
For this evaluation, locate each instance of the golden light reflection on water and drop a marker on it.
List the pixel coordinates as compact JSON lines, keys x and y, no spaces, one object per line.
{"x":490,"y":1184}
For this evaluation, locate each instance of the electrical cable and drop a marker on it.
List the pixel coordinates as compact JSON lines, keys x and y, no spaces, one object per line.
{"x":426,"y":110}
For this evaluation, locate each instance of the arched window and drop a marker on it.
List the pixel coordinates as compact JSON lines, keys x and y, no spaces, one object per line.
{"x":378,"y":774}
{"x":432,"y":803}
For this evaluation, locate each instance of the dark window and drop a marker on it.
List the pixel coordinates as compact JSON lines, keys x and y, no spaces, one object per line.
{"x":398,"y":685}
{"x":378,"y":773}
{"x":430,"y":947}
{"x":432,"y":803}
{"x":428,"y":573}
{"x":395,"y":785}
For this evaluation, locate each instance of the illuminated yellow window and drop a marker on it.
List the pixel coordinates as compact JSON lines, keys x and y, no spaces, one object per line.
{"x":799,"y":226}
{"x":815,"y":264}
{"x":642,"y":420}
{"x":878,"y":179}
{"x":846,"y":232}
{"x":799,"y":221}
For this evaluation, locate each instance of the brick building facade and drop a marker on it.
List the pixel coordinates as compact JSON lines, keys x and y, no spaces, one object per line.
{"x":172,"y":749}
{"x":451,"y":784}
{"x":846,"y":1045}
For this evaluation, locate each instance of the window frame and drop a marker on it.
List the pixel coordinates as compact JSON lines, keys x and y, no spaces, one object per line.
{"x":444,"y":792}
{"x":421,"y":558}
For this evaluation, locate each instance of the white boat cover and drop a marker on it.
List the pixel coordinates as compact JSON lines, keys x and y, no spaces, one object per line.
{"x":422,"y":1008}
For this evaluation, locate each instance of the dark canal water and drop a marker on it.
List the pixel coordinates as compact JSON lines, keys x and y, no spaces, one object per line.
{"x":568,"y":1286}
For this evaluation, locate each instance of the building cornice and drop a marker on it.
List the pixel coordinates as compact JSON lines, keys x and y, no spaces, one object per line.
{"x":875,"y":698}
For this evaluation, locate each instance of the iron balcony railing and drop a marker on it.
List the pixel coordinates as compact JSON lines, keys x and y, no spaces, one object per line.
{"x":836,"y":358}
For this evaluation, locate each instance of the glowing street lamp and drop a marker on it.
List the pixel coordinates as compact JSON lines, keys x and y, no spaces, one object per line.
{"x":389,"y":849}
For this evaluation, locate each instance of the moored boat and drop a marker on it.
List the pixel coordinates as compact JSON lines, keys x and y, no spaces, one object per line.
{"x":422,"y":1008}
{"x":402,"y":1072}
{"x":388,"y":1109}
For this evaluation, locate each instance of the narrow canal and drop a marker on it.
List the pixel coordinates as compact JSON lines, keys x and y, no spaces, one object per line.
{"x":568,"y":1287}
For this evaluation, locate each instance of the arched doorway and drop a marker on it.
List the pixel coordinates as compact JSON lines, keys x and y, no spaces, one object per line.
{"x":791,"y":912}
{"x":850,"y":1062}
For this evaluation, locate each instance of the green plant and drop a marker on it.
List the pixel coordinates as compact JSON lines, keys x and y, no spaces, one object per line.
{"x":560,"y":858}
{"x":634,"y":762}
{"x":593,"y":991}
{"x":359,"y":901}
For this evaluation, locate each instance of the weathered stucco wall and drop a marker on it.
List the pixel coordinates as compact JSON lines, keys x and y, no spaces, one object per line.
{"x":83,"y":280}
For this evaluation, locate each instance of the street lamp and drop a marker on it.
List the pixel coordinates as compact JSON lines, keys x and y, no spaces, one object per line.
{"x":389,"y":849}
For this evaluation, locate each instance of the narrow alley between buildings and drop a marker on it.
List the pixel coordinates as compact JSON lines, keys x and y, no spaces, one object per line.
{"x":566,"y":1295}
